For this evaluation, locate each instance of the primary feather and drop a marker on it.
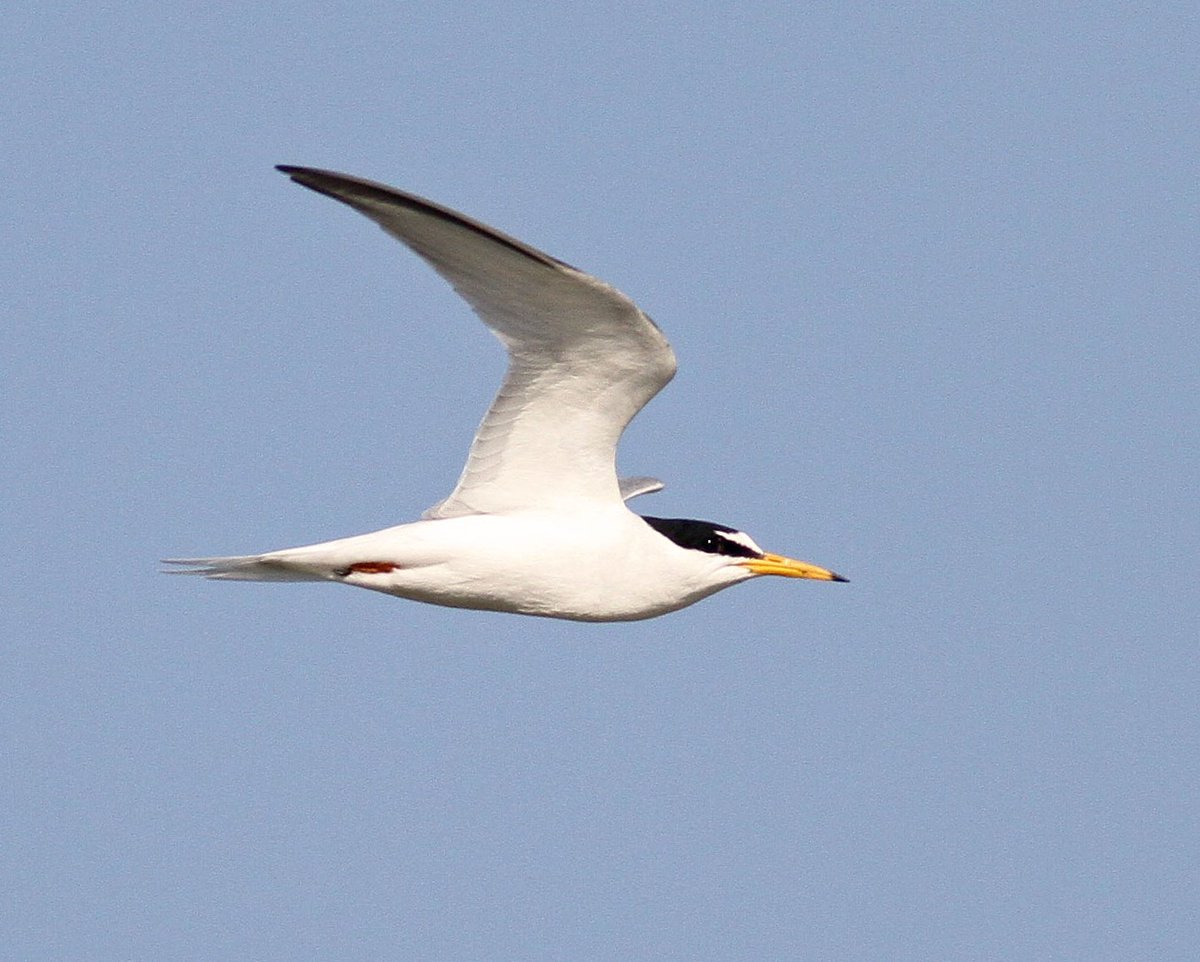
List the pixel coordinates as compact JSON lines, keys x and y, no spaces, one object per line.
{"x":583,"y":359}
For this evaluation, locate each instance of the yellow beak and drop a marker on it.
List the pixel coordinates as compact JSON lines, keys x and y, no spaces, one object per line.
{"x":776,"y":564}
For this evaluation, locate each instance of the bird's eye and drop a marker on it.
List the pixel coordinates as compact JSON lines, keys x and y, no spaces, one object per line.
{"x":718,"y":545}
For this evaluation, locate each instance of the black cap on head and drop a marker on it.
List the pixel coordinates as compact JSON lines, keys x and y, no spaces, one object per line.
{"x":703,"y":536}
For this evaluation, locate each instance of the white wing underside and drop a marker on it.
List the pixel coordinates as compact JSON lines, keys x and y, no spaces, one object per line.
{"x":583,"y":359}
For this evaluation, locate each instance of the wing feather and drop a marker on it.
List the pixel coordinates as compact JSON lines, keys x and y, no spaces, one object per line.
{"x":583,"y":359}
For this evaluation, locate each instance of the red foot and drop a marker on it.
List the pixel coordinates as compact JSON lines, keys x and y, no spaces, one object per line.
{"x":373,"y":567}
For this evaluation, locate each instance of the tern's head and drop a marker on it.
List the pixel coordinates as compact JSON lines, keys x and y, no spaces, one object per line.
{"x":734,"y":551}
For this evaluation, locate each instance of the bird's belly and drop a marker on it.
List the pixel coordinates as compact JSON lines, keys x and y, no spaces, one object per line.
{"x":602,"y":577}
{"x":591,"y":595}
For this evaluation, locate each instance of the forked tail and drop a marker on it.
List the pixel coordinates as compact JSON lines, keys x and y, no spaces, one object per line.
{"x":251,"y":567}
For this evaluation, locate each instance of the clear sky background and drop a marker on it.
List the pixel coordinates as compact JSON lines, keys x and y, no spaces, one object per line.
{"x":931,"y":274}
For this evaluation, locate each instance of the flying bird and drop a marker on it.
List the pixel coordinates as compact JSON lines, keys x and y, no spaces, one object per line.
{"x":538,"y":522}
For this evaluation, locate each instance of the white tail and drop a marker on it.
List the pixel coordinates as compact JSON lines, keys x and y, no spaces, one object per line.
{"x":251,"y":567}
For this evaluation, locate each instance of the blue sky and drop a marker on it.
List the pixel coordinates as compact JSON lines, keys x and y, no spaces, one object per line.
{"x":930,"y":271}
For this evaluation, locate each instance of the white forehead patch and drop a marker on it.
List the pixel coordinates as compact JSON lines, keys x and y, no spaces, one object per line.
{"x":740,"y":537}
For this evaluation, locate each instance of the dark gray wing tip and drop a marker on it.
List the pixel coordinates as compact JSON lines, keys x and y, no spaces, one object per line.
{"x":327,"y":181}
{"x":298,"y":174}
{"x":354,"y":191}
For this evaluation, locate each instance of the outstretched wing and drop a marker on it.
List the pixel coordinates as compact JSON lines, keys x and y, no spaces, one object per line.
{"x":583,"y":359}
